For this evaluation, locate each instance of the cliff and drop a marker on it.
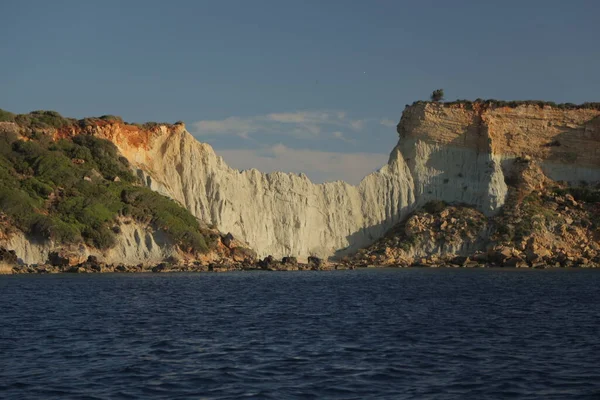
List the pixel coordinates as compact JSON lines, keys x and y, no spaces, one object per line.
{"x":66,"y":197}
{"x":463,"y":152}
{"x":279,"y":214}
{"x":542,"y":224}
{"x":459,"y":153}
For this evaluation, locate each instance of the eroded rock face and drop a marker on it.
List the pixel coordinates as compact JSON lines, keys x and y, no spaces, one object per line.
{"x":463,"y":153}
{"x":543,"y":224}
{"x":135,"y":244}
{"x":8,"y":256}
{"x":458,"y":153}
{"x":279,"y":214}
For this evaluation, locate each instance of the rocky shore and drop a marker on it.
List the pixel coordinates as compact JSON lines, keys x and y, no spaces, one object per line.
{"x":92,"y":265}
{"x":469,"y":184}
{"x":504,"y":257}
{"x":543,"y":224}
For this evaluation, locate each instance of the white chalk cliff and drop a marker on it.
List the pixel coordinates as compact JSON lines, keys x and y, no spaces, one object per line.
{"x":135,"y":244}
{"x":456,"y":153}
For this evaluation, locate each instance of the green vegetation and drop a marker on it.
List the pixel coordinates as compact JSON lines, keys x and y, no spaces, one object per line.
{"x":42,"y":120}
{"x":6,"y":116}
{"x":582,"y":193}
{"x":437,"y":95}
{"x":67,"y":190}
{"x":535,"y":216}
{"x":435,"y":206}
{"x":112,"y":118}
{"x":493,"y":103}
{"x":408,"y":243}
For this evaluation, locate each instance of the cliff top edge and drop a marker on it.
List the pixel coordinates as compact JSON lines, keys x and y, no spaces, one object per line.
{"x":493,"y":104}
{"x":51,"y":119}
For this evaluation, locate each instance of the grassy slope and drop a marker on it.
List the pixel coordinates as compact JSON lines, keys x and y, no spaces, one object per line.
{"x":43,"y":191}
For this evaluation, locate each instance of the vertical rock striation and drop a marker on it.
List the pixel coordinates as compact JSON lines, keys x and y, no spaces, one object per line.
{"x":459,"y":153}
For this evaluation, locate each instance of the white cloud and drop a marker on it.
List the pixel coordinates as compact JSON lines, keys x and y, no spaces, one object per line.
{"x":320,"y":166}
{"x":232,"y":125}
{"x":298,"y":124}
{"x":303,"y":117}
{"x":340,"y":135}
{"x":388,"y":123}
{"x":357,"y":124}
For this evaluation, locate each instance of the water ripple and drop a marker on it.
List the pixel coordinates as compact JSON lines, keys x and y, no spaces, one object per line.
{"x":363,"y":334}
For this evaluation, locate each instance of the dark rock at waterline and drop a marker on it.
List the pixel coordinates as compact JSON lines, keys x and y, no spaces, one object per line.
{"x":8,"y":256}
{"x":289,"y":261}
{"x":315,"y":262}
{"x":55,"y":259}
{"x":92,"y":259}
{"x":515,"y":262}
{"x":460,"y":261}
{"x":267,"y":262}
{"x":162,"y":267}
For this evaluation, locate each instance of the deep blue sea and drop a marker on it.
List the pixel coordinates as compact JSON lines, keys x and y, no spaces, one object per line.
{"x":362,"y":334}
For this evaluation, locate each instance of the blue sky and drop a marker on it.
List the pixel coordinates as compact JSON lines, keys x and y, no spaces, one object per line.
{"x":312,"y":86}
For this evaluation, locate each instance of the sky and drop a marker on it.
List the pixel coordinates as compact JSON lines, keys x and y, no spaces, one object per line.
{"x":298,"y":86}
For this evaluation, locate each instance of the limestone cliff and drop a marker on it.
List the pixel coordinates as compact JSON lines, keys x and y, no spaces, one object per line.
{"x":452,"y":152}
{"x":279,"y":214}
{"x":542,"y":224}
{"x":66,"y":196}
{"x":462,"y":152}
{"x":136,"y":244}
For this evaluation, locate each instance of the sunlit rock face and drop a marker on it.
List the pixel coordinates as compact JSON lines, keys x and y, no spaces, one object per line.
{"x":457,"y":153}
{"x":135,"y":244}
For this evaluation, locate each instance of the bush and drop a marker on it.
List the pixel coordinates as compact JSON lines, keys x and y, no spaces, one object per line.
{"x":43,"y":120}
{"x":435,"y":206}
{"x":493,"y":103}
{"x":53,"y":228}
{"x":437,"y":95}
{"x":101,"y":237}
{"x":167,"y":215}
{"x":106,"y":158}
{"x":31,"y":171}
{"x":585,"y":194}
{"x":111,"y":118}
{"x":34,"y":188}
{"x":6,"y":116}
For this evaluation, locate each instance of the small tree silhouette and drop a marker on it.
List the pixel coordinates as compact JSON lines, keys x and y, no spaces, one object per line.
{"x":437,"y":95}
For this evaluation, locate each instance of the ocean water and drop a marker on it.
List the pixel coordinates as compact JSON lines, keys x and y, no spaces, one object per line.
{"x":362,"y":334}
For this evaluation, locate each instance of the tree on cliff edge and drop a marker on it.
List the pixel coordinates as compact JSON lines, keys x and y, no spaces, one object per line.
{"x":437,"y":95}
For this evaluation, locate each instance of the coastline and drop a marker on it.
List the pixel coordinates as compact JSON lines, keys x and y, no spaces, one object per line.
{"x":221,"y":268}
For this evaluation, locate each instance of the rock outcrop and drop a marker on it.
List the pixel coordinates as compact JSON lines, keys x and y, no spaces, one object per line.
{"x":458,"y":153}
{"x":138,"y":248}
{"x":542,"y":224}
{"x":136,"y":244}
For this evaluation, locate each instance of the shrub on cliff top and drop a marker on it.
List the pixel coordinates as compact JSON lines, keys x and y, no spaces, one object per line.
{"x":437,"y":95}
{"x":493,"y":103}
{"x":112,"y":118}
{"x":6,"y":116}
{"x":43,"y":119}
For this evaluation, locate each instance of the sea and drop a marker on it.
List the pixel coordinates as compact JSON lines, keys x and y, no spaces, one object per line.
{"x":357,"y":334}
